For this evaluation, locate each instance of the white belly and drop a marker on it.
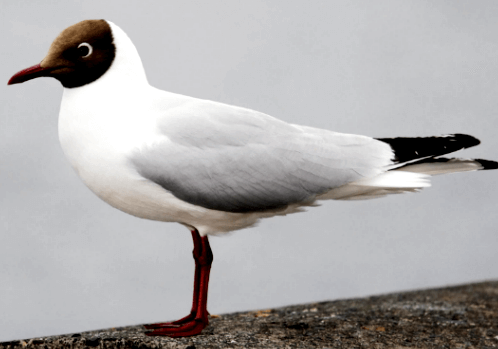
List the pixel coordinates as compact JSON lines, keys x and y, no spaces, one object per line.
{"x":97,"y":140}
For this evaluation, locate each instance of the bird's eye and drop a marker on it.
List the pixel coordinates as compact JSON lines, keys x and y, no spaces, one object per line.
{"x":85,"y":49}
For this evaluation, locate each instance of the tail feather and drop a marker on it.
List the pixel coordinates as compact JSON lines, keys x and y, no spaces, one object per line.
{"x":415,"y":161}
{"x":390,"y":182}
{"x":438,"y":166}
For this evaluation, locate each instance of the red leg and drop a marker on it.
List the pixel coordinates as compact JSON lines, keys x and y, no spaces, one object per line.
{"x":197,"y":254}
{"x":197,"y":320}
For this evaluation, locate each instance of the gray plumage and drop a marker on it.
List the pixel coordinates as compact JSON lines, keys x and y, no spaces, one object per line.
{"x":233,"y":159}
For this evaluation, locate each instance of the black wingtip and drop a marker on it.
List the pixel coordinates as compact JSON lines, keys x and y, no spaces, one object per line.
{"x":408,"y":149}
{"x":467,"y":141}
{"x":488,"y":164}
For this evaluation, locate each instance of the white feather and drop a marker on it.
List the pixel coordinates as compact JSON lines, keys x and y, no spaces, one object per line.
{"x":392,"y":182}
{"x":438,"y":168}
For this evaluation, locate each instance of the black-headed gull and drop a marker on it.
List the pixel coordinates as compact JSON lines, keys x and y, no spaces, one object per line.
{"x":212,"y":167}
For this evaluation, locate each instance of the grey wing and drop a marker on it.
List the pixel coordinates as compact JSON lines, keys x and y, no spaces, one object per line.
{"x":237,"y":160}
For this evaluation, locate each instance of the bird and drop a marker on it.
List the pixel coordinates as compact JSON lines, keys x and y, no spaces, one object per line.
{"x":212,"y":167}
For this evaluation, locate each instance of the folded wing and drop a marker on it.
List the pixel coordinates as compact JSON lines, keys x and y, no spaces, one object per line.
{"x":237,"y":160}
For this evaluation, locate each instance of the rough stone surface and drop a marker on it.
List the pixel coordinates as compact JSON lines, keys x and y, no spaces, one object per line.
{"x":455,"y":317}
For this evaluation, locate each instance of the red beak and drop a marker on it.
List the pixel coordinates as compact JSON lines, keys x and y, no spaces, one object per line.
{"x":35,"y":71}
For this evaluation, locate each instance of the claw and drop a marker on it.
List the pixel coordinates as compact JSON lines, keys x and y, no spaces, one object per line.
{"x":160,"y":325}
{"x":173,"y":324}
{"x":191,"y":328}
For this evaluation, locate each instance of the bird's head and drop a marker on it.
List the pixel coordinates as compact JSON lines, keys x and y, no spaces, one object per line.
{"x":78,"y":56}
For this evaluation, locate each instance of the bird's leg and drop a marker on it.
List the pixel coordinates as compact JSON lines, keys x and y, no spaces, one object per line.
{"x":197,"y":255}
{"x":193,"y":323}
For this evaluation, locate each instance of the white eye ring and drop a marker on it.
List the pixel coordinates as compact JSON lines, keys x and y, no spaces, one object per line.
{"x":90,"y":49}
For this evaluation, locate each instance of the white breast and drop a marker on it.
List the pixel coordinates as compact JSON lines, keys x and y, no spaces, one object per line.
{"x":97,"y":138}
{"x":102,"y":123}
{"x":97,"y":131}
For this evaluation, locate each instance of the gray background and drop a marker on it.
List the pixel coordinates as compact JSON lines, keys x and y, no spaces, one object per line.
{"x":69,"y":262}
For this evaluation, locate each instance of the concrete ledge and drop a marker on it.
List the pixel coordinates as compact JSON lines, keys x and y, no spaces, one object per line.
{"x":454,"y":317}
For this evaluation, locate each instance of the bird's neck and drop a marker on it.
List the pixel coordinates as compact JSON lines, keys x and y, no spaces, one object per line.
{"x":127,"y":66}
